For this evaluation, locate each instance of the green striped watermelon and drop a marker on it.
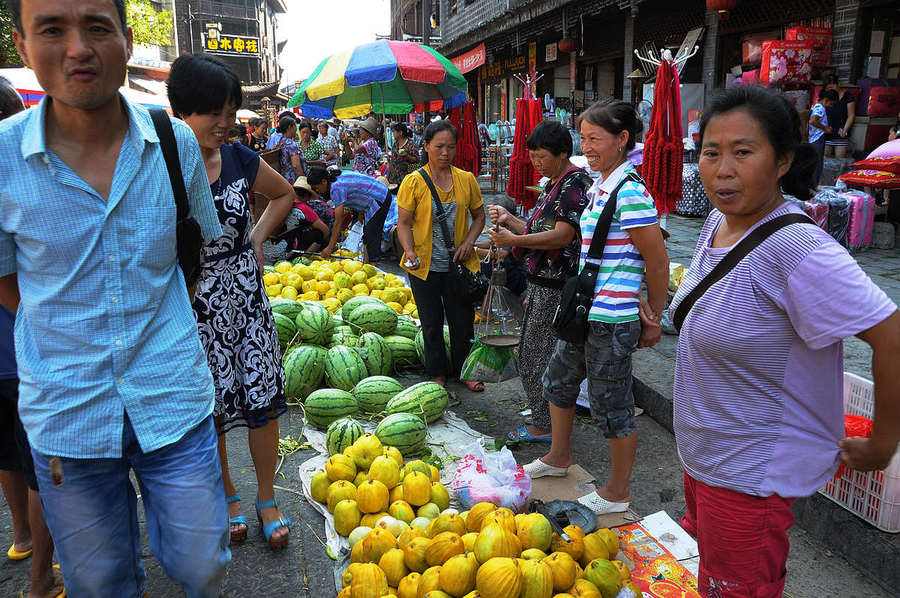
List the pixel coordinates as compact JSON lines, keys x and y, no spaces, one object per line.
{"x":286,"y":329}
{"x":347,"y":339}
{"x":374,"y":392}
{"x":355,"y":302}
{"x":286,"y":307}
{"x":420,"y":344}
{"x":403,"y":350}
{"x":407,"y":327}
{"x":341,"y":434}
{"x":404,"y":431}
{"x":304,"y":370}
{"x":344,"y":367}
{"x":428,"y":399}
{"x":376,"y":354}
{"x":314,"y":323}
{"x":371,"y":317}
{"x":327,"y":405}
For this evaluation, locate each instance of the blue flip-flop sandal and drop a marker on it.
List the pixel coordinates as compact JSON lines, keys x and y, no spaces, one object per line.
{"x":521,"y":434}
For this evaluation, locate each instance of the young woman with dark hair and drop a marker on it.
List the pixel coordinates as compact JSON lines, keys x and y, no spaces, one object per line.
{"x":549,"y":242}
{"x":426,"y":257}
{"x":758,"y":407}
{"x":233,"y":315}
{"x":634,"y":251}
{"x":311,"y":149}
{"x":284,"y":139}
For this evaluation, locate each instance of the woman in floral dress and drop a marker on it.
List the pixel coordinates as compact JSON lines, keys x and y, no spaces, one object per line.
{"x":234,"y":320}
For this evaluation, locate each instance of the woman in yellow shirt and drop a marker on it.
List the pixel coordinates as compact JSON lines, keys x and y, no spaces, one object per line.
{"x":425,"y":254}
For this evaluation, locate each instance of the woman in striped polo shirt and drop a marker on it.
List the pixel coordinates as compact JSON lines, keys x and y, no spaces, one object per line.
{"x":758,"y":409}
{"x":633,"y":246}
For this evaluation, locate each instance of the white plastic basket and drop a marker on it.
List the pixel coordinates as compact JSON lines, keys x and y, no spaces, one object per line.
{"x":874,"y":495}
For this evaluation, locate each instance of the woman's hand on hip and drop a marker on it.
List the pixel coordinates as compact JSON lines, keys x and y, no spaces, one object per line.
{"x":464,"y":252}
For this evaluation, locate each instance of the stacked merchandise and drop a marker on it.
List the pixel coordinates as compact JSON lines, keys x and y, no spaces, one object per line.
{"x":862,"y":219}
{"x":838,"y":213}
{"x":694,"y":201}
{"x":817,"y":211}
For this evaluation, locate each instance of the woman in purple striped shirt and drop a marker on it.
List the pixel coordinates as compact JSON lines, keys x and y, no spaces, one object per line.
{"x":758,"y":379}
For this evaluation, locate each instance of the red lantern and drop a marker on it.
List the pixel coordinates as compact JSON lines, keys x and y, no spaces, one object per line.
{"x":566,"y":45}
{"x":721,"y":5}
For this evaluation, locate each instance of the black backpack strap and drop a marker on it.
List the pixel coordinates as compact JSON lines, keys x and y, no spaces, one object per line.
{"x":732,"y":259}
{"x":590,"y":272}
{"x":440,"y":209}
{"x":163,"y":125}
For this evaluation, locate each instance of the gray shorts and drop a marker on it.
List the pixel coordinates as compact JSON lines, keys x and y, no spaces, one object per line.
{"x":605,"y":360}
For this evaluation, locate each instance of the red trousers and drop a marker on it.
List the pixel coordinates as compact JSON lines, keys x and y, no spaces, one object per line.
{"x":743,"y":540}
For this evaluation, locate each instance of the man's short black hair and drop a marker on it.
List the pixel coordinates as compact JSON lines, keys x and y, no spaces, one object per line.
{"x":201,"y":84}
{"x":15,"y":9}
{"x":552,"y":136}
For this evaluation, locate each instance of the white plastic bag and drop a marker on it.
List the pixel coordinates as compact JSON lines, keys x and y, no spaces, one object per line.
{"x":492,"y":477}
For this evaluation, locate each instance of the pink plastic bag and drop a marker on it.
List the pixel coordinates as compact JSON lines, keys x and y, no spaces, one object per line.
{"x":493,"y":477}
{"x":862,"y":219}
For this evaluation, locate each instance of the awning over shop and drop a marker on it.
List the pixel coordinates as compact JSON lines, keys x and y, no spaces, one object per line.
{"x":471,"y":60}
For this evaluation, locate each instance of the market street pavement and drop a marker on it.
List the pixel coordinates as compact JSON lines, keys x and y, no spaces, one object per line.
{"x":303,"y":569}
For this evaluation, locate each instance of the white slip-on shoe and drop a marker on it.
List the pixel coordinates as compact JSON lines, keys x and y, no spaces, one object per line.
{"x":539,"y":469}
{"x":601,"y":506}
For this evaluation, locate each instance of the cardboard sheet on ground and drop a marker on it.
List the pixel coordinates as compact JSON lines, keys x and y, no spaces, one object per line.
{"x":572,"y":487}
{"x":446,"y":437}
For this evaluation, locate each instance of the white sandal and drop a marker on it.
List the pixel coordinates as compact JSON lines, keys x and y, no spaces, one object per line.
{"x":539,"y":469}
{"x":602,"y":506}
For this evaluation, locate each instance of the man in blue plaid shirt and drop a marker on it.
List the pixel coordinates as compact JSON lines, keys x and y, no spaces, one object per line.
{"x":112,"y":374}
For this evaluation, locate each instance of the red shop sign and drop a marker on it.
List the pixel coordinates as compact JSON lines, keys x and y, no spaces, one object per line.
{"x":471,"y":60}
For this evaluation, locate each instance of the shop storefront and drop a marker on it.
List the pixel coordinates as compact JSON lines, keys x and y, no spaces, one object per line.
{"x":501,"y":88}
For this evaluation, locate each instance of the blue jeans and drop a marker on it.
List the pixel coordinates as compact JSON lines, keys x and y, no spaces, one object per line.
{"x":93,"y":516}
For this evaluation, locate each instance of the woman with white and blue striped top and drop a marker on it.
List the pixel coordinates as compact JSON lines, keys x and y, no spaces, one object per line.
{"x":634,"y":246}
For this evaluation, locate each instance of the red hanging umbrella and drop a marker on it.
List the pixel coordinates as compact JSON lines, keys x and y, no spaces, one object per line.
{"x":663,"y":145}
{"x":468,"y":149}
{"x":529,"y":113}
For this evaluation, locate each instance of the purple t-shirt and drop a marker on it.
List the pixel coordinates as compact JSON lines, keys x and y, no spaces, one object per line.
{"x":759,"y":371}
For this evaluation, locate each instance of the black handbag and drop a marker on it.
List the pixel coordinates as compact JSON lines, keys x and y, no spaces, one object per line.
{"x":571,"y":319}
{"x":189,"y":237}
{"x":471,"y":286}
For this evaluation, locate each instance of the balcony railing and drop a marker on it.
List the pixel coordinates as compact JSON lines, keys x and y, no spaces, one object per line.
{"x":234,"y":10}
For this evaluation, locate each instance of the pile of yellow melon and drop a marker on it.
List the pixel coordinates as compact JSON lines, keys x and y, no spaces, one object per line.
{"x":334,"y":282}
{"x":486,"y":552}
{"x":368,"y":486}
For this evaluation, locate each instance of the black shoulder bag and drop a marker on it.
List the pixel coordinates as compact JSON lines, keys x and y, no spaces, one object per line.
{"x":732,"y":259}
{"x":471,"y":286}
{"x":189,"y":238}
{"x":571,"y":319}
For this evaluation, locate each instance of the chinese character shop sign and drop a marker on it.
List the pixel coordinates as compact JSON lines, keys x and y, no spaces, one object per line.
{"x":215,"y":42}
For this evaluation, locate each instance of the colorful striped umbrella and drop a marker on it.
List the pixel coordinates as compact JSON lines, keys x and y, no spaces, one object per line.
{"x":387,"y":77}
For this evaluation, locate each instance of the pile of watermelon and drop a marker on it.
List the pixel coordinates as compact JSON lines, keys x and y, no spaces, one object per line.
{"x":407,"y":412}
{"x":367,"y":338}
